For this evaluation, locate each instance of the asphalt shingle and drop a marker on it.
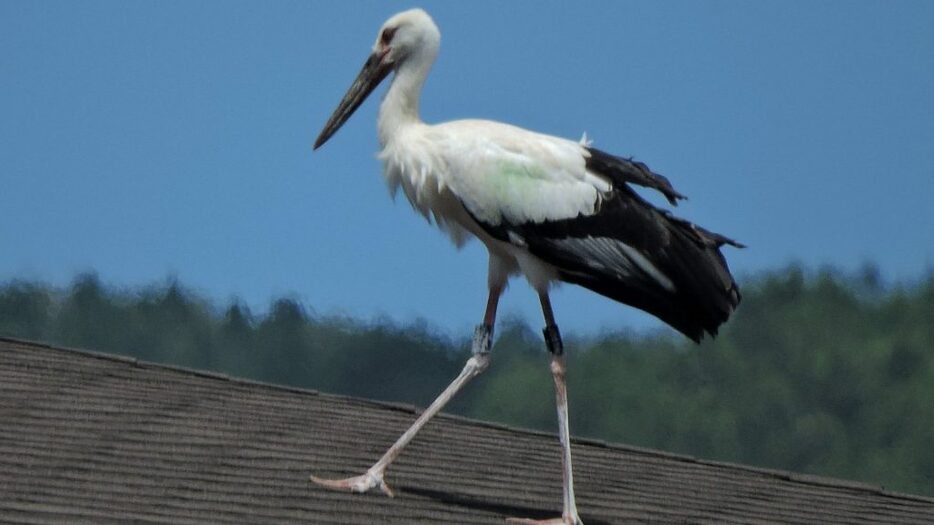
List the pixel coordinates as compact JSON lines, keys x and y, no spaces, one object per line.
{"x":95,"y":438}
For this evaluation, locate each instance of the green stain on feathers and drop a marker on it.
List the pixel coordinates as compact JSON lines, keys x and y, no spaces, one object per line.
{"x":514,"y":179}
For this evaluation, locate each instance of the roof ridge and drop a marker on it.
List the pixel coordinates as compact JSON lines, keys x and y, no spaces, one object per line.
{"x":797,"y":477}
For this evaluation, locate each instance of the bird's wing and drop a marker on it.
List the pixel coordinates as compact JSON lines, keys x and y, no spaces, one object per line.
{"x":637,"y":254}
{"x":571,"y":206}
{"x":622,"y":170}
{"x":507,"y":175}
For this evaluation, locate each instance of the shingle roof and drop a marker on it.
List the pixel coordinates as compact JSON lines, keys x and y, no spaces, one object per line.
{"x":95,"y":438}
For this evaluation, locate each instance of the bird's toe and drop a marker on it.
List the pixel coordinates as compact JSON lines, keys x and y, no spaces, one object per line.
{"x":362,"y":483}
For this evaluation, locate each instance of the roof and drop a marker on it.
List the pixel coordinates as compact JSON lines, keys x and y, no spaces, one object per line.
{"x":95,"y":438}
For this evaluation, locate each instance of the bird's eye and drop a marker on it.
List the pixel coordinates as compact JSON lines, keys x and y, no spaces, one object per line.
{"x":387,"y":35}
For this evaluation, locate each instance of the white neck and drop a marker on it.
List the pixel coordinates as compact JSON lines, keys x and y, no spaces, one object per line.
{"x":400,"y":105}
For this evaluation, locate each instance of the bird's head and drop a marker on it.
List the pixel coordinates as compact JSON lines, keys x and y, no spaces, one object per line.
{"x":406,"y":34}
{"x":407,"y":37}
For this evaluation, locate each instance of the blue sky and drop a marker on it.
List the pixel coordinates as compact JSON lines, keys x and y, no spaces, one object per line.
{"x":147,"y":140}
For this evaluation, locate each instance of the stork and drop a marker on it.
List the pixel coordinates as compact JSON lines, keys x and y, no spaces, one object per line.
{"x":549,"y":208}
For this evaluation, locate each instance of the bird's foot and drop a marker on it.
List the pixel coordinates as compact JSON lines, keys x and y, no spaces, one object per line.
{"x":363,"y":483}
{"x":566,"y":520}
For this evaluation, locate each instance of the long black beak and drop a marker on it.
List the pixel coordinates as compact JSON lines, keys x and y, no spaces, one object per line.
{"x":374,"y":71}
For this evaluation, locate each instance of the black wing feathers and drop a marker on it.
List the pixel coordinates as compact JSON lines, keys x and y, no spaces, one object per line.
{"x":621,"y":171}
{"x":637,"y":254}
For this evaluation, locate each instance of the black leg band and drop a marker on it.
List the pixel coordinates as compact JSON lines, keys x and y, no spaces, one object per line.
{"x":553,"y":340}
{"x":482,"y":339}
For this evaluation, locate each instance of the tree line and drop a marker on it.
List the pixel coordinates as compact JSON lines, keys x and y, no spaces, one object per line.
{"x":818,"y":371}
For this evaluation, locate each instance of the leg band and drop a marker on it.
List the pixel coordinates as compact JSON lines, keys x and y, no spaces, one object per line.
{"x":553,"y":340}
{"x":482,"y":339}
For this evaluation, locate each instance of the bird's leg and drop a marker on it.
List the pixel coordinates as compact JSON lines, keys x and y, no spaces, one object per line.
{"x":569,"y":514}
{"x":373,"y":477}
{"x":478,"y":362}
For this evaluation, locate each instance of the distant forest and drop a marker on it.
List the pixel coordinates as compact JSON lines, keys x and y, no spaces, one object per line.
{"x":818,"y":371}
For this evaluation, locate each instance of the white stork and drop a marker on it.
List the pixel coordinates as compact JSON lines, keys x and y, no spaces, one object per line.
{"x":549,"y":208}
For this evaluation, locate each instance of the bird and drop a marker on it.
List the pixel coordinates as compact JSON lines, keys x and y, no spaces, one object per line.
{"x":551,"y":209}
